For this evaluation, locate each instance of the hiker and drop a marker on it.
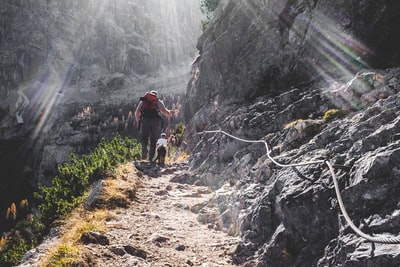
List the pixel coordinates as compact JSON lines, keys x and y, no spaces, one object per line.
{"x":149,"y":121}
{"x":161,"y":148}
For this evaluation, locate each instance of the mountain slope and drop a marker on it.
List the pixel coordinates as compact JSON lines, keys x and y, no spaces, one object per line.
{"x":281,"y":67}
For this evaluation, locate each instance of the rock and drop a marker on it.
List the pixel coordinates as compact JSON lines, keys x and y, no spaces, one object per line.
{"x":95,"y":194}
{"x":355,"y":252}
{"x":161,"y":193}
{"x":33,"y":256}
{"x":87,"y":87}
{"x":198,"y":207}
{"x":158,"y":238}
{"x":286,"y":215}
{"x":180,"y":247}
{"x":135,"y":251}
{"x":117,"y":250}
{"x":94,"y":238}
{"x":149,"y":168}
{"x":184,"y":178}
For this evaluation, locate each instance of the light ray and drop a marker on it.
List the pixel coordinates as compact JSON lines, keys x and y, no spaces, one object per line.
{"x":325,"y":43}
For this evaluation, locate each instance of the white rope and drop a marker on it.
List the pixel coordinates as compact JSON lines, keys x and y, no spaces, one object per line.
{"x":377,"y":239}
{"x":268,"y":151}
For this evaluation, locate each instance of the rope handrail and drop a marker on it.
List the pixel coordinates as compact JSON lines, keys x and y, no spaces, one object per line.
{"x":376,"y":239}
{"x":268,"y":150}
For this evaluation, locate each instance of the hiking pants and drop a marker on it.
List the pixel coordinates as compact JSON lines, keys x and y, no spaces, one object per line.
{"x":151,"y":128}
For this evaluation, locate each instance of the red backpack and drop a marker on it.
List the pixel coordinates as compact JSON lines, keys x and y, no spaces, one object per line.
{"x":149,"y":105}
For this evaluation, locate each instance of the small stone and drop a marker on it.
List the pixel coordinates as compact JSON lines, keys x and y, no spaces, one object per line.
{"x":161,"y":193}
{"x":120,"y":251}
{"x":135,"y":251}
{"x":159,"y":238}
{"x":94,"y":238}
{"x":180,"y":247}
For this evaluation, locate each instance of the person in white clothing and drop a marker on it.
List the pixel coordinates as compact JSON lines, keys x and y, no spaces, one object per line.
{"x":161,"y":147}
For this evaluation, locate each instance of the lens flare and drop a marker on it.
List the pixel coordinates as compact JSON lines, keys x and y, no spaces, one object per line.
{"x":325,"y":44}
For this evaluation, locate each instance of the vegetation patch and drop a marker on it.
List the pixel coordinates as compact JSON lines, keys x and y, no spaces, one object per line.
{"x":293,"y":123}
{"x":68,"y":190}
{"x":333,"y":114}
{"x":77,"y":175}
{"x":174,"y":153}
{"x":70,"y":252}
{"x":116,"y":194}
{"x":207,"y":7}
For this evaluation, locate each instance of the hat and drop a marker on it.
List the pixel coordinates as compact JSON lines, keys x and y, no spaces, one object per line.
{"x":163,"y":134}
{"x":154,"y":92}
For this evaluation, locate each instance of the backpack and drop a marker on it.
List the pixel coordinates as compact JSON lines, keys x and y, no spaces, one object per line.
{"x":150,"y":105}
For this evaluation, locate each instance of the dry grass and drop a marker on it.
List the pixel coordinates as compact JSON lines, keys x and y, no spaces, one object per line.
{"x":332,"y":114}
{"x":181,"y":157}
{"x":117,"y":192}
{"x":292,"y":124}
{"x":3,"y":242}
{"x":175,"y":155}
{"x":69,"y":251}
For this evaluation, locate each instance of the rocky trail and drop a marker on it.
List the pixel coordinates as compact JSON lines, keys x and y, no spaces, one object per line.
{"x":171,"y":219}
{"x":161,"y":227}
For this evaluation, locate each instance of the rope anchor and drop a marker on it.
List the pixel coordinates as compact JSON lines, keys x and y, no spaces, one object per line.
{"x":376,"y":239}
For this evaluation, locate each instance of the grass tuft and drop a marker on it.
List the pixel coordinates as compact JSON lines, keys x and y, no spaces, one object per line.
{"x":115,"y":194}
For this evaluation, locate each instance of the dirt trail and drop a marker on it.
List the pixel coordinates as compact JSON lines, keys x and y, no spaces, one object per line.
{"x":161,"y":227}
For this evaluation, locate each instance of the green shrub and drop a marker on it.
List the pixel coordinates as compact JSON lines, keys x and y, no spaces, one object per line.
{"x":179,"y":130}
{"x":12,"y":255}
{"x":26,"y":235}
{"x":207,"y":7}
{"x":75,"y":176}
{"x":66,"y":192}
{"x":332,"y":114}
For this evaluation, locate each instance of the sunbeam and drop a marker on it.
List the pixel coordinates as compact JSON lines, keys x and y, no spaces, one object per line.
{"x":331,"y":50}
{"x":100,"y":38}
{"x":342,"y":61}
{"x":343,"y":52}
{"x":55,"y":79}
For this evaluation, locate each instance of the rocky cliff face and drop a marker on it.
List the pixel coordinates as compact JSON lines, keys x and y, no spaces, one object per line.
{"x":270,"y":70}
{"x":72,"y":72}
